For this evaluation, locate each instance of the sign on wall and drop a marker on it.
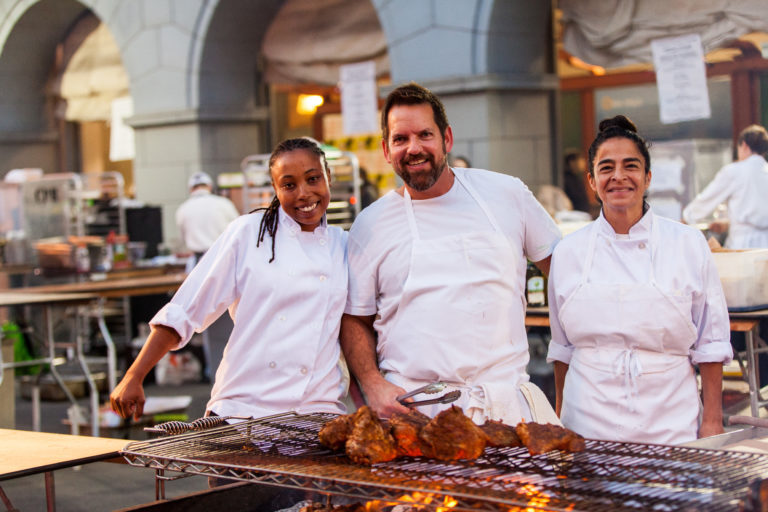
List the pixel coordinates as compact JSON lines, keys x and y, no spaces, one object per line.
{"x":681,"y":78}
{"x":359,"y":104}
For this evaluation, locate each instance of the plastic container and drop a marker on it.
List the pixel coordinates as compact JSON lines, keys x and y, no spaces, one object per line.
{"x":744,"y":276}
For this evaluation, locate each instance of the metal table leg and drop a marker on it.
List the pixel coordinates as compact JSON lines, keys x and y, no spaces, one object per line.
{"x":50,"y":492}
{"x":8,"y":505}
{"x":753,"y":373}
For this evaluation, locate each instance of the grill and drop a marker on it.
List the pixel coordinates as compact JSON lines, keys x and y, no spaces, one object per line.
{"x":283,"y":450}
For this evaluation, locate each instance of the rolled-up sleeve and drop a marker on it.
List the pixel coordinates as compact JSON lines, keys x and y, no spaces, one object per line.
{"x":205,"y":293}
{"x":560,"y":348}
{"x":361,"y":297}
{"x":710,"y":315}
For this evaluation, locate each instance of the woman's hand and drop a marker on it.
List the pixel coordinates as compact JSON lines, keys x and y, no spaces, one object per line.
{"x":710,"y":428}
{"x":127,"y":399}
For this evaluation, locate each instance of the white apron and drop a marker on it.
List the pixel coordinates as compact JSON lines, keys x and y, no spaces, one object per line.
{"x":630,"y":378}
{"x":470,"y":344}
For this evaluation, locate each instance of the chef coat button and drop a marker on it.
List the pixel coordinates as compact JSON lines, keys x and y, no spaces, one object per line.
{"x":322,"y":278}
{"x":322,"y":241}
{"x":272,"y":364}
{"x":641,"y":245}
{"x":304,"y":370}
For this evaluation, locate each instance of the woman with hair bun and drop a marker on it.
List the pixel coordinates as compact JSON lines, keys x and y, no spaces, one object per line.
{"x":743,"y":185}
{"x":635,"y":304}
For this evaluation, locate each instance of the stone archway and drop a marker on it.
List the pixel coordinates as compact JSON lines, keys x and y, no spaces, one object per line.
{"x":492,"y":63}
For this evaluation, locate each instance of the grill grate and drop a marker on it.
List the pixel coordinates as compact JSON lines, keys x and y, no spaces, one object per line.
{"x":283,"y":450}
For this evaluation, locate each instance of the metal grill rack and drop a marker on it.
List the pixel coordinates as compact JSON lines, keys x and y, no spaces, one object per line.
{"x":283,"y":450}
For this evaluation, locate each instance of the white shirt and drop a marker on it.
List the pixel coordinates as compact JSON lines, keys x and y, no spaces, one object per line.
{"x":202,"y":218}
{"x":744,"y":186}
{"x":683,"y":265}
{"x":380,"y":241}
{"x":283,"y":353}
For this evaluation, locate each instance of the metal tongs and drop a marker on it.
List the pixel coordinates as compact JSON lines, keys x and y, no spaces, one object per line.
{"x":430,"y":389}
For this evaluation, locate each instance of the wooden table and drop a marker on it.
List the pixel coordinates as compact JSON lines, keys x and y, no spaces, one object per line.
{"x":746,"y":322}
{"x":24,"y":453}
{"x":126,"y":287}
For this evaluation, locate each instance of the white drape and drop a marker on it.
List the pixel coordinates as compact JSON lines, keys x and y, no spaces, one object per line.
{"x":615,"y":33}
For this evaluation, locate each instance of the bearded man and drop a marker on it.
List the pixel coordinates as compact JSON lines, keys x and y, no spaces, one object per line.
{"x":437,"y":275}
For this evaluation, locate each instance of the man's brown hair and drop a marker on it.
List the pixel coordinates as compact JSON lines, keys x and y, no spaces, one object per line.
{"x":413,"y":94}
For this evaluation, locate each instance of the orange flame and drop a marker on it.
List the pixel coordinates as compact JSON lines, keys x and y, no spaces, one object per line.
{"x":537,"y":501}
{"x":416,"y":499}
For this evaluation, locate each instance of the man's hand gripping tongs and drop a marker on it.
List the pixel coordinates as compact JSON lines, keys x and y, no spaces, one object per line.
{"x":430,"y":389}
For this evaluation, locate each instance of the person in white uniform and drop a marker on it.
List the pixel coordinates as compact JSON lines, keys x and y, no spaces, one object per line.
{"x":282,"y":274}
{"x":437,"y":272}
{"x":743,"y":186}
{"x":201,"y":219}
{"x":204,"y":216}
{"x":635,"y":302}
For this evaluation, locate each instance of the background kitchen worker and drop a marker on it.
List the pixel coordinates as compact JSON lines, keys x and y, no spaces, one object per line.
{"x":201,"y":219}
{"x":743,"y":185}
{"x":459,"y":161}
{"x":437,"y":272}
{"x":282,"y":273}
{"x":635,"y":301}
{"x":573,"y":180}
{"x":204,"y":215}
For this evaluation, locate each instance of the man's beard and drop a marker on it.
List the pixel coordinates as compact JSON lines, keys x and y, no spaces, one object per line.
{"x":423,"y":180}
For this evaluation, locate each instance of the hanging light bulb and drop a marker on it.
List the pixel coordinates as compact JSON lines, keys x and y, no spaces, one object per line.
{"x":307,"y":103}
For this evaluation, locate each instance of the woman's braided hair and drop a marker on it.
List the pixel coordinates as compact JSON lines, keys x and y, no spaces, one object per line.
{"x":269,"y":221}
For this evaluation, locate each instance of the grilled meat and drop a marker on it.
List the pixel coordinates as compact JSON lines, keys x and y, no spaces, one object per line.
{"x":500,"y":434}
{"x":369,"y":442}
{"x":334,"y":434}
{"x":451,"y":436}
{"x":543,"y":437}
{"x":405,"y":429}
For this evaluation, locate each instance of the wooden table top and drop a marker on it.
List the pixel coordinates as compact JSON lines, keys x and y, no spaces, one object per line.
{"x":111,"y":287}
{"x":25,"y":452}
{"x":8,"y":298}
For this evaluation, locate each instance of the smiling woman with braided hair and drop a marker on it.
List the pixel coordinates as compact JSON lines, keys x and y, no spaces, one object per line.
{"x":281,"y":271}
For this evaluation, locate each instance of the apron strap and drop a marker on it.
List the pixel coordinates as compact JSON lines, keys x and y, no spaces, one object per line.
{"x":483,"y":205}
{"x":472,"y":192}
{"x":409,"y":214}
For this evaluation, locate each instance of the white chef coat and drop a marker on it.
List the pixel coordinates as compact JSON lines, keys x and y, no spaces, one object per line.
{"x":643,"y":307}
{"x":743,"y":186}
{"x":283,"y":353}
{"x":493,"y":220}
{"x":202,"y":218}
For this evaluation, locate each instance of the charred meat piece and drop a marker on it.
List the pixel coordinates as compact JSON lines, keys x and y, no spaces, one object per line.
{"x":405,"y":429}
{"x":544,"y":437}
{"x":334,"y":434}
{"x":451,"y":436}
{"x":369,"y":442}
{"x":500,"y":434}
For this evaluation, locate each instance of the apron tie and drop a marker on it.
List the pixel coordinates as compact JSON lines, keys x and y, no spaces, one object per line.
{"x":629,"y":365}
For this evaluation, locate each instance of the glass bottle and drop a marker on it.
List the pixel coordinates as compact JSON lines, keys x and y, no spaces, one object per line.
{"x":535,"y":286}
